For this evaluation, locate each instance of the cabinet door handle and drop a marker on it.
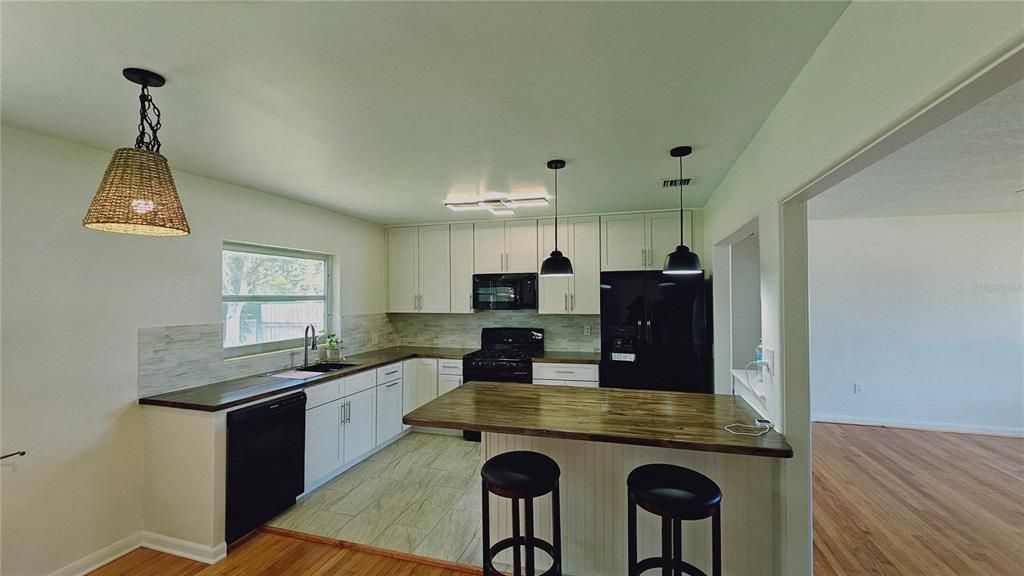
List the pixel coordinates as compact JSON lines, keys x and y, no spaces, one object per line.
{"x":565,"y":305}
{"x":572,"y":301}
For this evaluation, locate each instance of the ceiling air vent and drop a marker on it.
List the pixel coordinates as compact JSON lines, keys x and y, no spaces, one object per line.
{"x":675,"y":182}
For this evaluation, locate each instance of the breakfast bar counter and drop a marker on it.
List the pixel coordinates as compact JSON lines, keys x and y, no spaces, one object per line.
{"x":597,"y":436}
{"x":640,"y":417}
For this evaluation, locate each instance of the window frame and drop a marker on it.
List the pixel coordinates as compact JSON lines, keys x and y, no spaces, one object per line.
{"x":278,"y":345}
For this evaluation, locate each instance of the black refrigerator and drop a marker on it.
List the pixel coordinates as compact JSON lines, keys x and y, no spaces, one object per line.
{"x":656,"y":331}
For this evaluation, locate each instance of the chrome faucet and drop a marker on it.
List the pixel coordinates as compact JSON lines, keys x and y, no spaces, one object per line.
{"x":310,"y":333}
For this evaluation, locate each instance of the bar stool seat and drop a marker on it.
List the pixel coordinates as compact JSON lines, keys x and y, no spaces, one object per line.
{"x":674,"y":494}
{"x":674,"y":491}
{"x":521,"y":476}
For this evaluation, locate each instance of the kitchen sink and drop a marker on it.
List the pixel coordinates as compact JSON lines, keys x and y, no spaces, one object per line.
{"x":326,"y":367}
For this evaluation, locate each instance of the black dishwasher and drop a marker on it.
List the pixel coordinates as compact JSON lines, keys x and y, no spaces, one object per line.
{"x":266,"y":459}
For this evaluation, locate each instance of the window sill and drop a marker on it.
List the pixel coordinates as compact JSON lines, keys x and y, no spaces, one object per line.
{"x":259,"y":355}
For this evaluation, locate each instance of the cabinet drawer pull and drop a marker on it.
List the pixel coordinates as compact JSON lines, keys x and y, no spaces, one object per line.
{"x":564,"y":372}
{"x":392,"y":384}
{"x":390,"y":373}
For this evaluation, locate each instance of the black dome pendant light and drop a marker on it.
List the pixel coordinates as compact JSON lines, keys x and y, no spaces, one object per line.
{"x":682,"y":261}
{"x":556,"y":264}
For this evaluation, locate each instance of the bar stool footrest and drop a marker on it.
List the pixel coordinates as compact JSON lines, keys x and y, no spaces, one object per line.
{"x":508,"y":543}
{"x":656,"y":562}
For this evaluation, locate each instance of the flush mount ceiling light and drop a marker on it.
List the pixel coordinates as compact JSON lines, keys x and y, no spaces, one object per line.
{"x":682,"y":261}
{"x":137,"y":193}
{"x":556,"y":264}
{"x":498,"y":207}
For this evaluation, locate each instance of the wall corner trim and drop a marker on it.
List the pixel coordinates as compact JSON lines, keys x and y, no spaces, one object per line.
{"x":102,"y":556}
{"x":184,"y":548}
{"x":143,"y":539}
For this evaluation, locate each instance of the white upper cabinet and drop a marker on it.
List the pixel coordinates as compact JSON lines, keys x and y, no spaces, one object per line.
{"x":585,"y":239}
{"x":622,"y":242}
{"x":489,"y":246}
{"x":641,"y":241}
{"x":434,"y":269}
{"x":521,"y":246}
{"x":419,"y":269}
{"x":505,"y":247}
{"x":553,"y":293}
{"x":462,"y":268}
{"x":579,"y":240}
{"x":663,"y":236}
{"x":403,"y":256}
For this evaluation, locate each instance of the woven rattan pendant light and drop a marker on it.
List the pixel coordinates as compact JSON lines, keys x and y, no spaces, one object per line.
{"x":137,"y":193}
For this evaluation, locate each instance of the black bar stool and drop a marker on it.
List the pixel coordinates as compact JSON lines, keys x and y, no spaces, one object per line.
{"x":675,"y":494}
{"x":521,"y":476}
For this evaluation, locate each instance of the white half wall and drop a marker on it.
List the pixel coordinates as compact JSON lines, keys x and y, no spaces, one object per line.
{"x":73,"y":303}
{"x":925,"y":314}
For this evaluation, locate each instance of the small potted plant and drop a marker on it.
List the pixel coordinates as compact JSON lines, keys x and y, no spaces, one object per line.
{"x":333,"y":346}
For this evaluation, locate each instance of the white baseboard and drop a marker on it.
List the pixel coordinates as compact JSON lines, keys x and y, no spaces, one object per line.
{"x":100,"y":557}
{"x":158,"y":542}
{"x":184,"y":548}
{"x":920,"y":425}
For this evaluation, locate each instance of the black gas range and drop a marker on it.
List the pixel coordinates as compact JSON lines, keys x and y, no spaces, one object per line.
{"x":505,"y":355}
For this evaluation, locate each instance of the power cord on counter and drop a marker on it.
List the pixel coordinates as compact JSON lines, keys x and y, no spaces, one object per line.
{"x":760,"y":428}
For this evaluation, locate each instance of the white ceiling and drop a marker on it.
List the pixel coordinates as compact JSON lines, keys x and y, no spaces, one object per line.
{"x":381,"y":110}
{"x":974,"y":163}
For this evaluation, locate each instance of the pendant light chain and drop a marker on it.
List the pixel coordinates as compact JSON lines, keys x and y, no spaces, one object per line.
{"x":148,"y":141}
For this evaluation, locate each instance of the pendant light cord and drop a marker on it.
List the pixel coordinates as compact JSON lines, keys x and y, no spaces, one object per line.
{"x":682,"y":218}
{"x":148,"y":141}
{"x":556,"y":209}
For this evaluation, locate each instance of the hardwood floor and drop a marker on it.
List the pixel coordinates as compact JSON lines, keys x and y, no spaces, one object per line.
{"x":277,"y":554}
{"x":887,"y":501}
{"x":890,"y":501}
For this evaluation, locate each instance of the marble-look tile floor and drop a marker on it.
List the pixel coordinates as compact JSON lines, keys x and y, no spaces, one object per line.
{"x":419,"y":495}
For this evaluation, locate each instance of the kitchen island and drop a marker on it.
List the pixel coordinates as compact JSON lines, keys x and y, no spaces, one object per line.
{"x":598,"y":436}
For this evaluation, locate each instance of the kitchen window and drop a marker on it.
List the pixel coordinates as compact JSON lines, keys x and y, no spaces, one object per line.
{"x":270,"y":295}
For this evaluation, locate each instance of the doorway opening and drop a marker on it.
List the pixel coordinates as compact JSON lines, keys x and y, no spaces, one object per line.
{"x":879,"y":300}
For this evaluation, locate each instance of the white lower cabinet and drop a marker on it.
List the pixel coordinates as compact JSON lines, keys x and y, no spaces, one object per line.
{"x":324,"y":441}
{"x":389,"y":411}
{"x":420,"y":384}
{"x":557,"y":374}
{"x":447,"y":382}
{"x":341,"y":431}
{"x":359,"y":429}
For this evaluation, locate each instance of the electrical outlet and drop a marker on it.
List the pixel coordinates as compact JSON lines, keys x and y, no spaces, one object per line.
{"x":587,"y":330}
{"x":858,"y":388}
{"x":769,"y":358}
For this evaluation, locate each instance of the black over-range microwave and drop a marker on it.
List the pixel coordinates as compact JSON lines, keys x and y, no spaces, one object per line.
{"x":504,"y":291}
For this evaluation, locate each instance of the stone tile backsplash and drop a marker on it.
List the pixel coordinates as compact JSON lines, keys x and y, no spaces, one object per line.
{"x":178,"y":357}
{"x":561,"y":332}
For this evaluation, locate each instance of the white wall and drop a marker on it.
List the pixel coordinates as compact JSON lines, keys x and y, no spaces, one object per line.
{"x":73,"y":301}
{"x":924,"y":313}
{"x":879,"y":63}
{"x":745,"y":299}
